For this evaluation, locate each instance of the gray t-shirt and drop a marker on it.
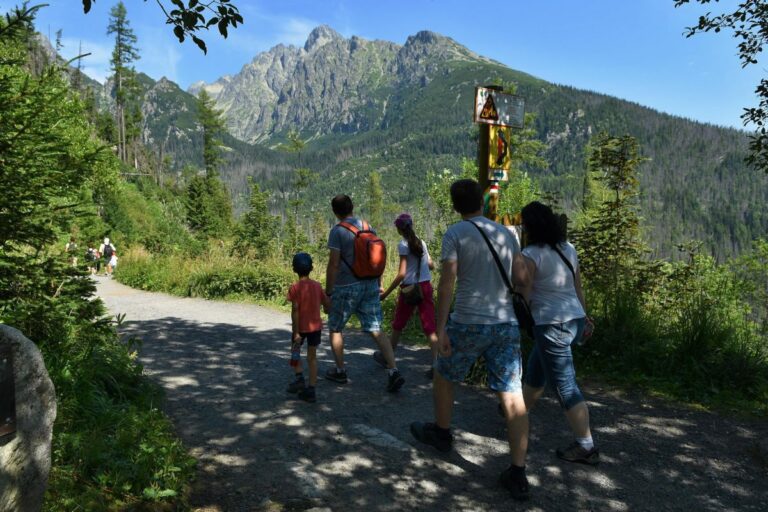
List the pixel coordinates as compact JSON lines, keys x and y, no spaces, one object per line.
{"x":412,"y":263}
{"x":481,"y":295}
{"x":343,"y":240}
{"x":553,"y":298}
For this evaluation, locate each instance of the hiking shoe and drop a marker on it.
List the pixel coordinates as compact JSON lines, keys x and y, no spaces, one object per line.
{"x":379,"y":358}
{"x":395,"y":382}
{"x":337,"y":376}
{"x":515,"y":481}
{"x":308,"y":395}
{"x":427,"y":434}
{"x":295,"y":386}
{"x":576,"y":453}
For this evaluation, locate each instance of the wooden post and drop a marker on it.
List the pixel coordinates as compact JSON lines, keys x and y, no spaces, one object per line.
{"x":489,"y":188}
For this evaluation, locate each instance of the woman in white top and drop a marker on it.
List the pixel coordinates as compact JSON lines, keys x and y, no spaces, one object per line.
{"x":559,"y":311}
{"x":414,"y":270}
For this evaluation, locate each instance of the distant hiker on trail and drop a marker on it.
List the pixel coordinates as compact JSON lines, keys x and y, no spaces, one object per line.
{"x":306,"y":297}
{"x":91,"y":258}
{"x":106,"y":250}
{"x":415,"y":282}
{"x":483,"y":323}
{"x":112,"y":264}
{"x":71,"y":250}
{"x":559,"y":310}
{"x":353,"y":282}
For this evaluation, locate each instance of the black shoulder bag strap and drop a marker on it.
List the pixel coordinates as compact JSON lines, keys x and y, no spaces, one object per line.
{"x":568,"y":263}
{"x":495,"y":257}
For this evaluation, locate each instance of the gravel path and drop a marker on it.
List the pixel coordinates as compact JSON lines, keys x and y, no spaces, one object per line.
{"x":224,"y":368}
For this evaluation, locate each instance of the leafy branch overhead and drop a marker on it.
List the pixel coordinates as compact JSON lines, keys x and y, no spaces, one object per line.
{"x":749,"y":23}
{"x":190,"y":17}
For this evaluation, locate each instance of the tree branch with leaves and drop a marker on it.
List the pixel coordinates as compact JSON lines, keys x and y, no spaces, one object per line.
{"x":190,"y":18}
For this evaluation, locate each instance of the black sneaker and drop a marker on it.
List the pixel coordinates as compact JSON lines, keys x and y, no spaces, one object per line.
{"x":515,"y":481}
{"x":295,"y":386}
{"x":308,"y":395}
{"x":427,"y":434}
{"x":574,"y":452}
{"x":395,"y":382}
{"x":379,"y":358}
{"x":337,"y":376}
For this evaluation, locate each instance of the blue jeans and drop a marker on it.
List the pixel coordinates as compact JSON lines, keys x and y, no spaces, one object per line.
{"x":552,"y":361}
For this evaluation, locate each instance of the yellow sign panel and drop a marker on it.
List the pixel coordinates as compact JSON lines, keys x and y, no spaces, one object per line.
{"x":499,"y":152}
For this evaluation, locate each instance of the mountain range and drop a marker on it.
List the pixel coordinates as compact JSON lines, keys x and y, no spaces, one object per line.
{"x":404,"y":110}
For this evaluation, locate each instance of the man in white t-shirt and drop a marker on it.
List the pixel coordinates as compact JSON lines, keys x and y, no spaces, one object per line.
{"x":483,"y":323}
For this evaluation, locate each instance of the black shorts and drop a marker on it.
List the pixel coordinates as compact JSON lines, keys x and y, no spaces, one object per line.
{"x":313,"y":338}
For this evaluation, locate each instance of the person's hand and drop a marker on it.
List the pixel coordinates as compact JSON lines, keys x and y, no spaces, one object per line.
{"x":296,"y":340}
{"x":443,"y":343}
{"x":589,"y":329}
{"x":382,"y":295}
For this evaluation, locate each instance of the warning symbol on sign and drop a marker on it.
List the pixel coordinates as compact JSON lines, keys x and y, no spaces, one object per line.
{"x":489,"y":112}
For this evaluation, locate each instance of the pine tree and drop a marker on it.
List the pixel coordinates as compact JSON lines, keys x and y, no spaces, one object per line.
{"x":124,"y":54}
{"x":212,"y":122}
{"x":375,"y":201}
{"x":257,"y":230}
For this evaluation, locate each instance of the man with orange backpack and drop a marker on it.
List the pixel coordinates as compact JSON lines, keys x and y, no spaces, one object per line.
{"x":353,"y":282}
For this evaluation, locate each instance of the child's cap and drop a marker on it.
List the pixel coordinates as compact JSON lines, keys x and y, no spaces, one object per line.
{"x":302,"y":263}
{"x":403,"y":220}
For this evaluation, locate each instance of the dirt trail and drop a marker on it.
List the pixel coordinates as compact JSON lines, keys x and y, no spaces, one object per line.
{"x":224,"y":368}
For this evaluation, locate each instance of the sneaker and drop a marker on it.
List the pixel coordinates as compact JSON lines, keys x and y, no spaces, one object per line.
{"x":516,"y":483}
{"x":576,"y":453}
{"x":337,"y":376}
{"x":379,"y":358}
{"x":308,"y":395}
{"x":296,"y":386}
{"x":395,"y":382}
{"x":427,"y":434}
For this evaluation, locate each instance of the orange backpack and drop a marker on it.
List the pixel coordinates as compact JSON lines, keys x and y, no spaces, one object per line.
{"x":369,"y":250}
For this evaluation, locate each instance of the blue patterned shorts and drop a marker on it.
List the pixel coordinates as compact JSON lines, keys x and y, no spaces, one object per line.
{"x":360,"y":298}
{"x":499,"y":344}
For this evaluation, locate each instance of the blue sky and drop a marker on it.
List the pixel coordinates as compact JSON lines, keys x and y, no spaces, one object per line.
{"x":632,"y":49}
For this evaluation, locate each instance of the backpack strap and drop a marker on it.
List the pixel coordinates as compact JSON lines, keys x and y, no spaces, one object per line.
{"x":351,"y":227}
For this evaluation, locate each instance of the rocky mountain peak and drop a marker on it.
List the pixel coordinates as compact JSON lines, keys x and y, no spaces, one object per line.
{"x":320,"y":36}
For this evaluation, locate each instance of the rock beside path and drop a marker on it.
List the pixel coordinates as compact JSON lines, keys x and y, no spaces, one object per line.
{"x":25,"y":457}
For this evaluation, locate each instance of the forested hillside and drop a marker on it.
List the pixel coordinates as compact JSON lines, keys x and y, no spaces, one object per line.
{"x":411,"y":114}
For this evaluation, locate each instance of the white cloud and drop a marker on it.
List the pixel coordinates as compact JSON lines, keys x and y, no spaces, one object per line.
{"x":95,"y":65}
{"x":160,"y":56}
{"x":294,"y":31}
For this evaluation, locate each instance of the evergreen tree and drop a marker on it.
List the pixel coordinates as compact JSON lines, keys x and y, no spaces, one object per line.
{"x":212,"y":122}
{"x":375,"y":201}
{"x":257,"y":230}
{"x":124,"y":54}
{"x":610,"y":246}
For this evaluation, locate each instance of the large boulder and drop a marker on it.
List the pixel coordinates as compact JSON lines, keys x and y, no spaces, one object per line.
{"x":25,"y":456}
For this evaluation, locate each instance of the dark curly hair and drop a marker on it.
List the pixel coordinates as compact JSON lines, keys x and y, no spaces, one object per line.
{"x":542,"y":225}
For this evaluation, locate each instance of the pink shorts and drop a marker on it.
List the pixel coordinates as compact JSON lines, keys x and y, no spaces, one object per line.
{"x":404,"y":311}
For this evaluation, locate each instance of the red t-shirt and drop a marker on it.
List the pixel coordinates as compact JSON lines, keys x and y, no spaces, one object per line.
{"x":308,"y":295}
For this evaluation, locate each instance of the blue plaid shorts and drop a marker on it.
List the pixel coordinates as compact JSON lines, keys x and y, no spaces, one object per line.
{"x":499,"y":344}
{"x":360,"y":298}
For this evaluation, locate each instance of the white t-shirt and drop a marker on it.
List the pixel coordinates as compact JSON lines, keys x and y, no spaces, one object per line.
{"x":553,"y":298}
{"x":481,"y":295}
{"x":412,"y":263}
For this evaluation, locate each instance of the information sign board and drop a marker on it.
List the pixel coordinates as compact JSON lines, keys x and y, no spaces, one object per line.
{"x":498,"y":108}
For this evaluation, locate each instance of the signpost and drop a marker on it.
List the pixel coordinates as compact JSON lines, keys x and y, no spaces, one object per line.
{"x":497,"y":113}
{"x":7,"y":392}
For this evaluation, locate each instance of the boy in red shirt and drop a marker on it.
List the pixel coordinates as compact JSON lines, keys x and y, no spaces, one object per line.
{"x":307,"y":296}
